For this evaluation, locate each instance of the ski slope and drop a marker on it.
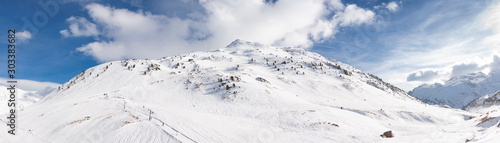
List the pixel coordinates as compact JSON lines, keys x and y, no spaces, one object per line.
{"x":245,"y":92}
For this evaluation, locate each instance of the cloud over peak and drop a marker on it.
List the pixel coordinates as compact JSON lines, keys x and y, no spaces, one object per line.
{"x":462,"y":69}
{"x":129,"y":34}
{"x":423,"y":75}
{"x":487,"y":65}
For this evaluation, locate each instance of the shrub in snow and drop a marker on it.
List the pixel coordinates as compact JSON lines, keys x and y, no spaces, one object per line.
{"x":387,"y":134}
{"x":347,"y":72}
{"x":261,"y":79}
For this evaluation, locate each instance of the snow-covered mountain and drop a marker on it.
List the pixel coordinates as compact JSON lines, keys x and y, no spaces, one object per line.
{"x":488,"y":107}
{"x":41,"y":88}
{"x":27,"y":92}
{"x":24,"y":98}
{"x":485,"y":101}
{"x":246,"y":92}
{"x":458,"y":91}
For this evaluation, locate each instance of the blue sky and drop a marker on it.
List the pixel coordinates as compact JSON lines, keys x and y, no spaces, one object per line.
{"x":407,"y":42}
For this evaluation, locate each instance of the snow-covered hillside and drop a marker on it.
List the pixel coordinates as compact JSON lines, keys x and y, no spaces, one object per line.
{"x":458,"y":91}
{"x":24,"y":98}
{"x":488,"y":107}
{"x":485,"y":101}
{"x":246,"y":92}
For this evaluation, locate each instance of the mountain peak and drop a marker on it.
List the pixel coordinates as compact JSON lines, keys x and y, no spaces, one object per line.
{"x":470,"y":78}
{"x":459,"y":91}
{"x":277,"y":89}
{"x":240,"y":43}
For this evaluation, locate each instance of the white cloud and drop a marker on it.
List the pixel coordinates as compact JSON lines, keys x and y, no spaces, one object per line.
{"x":462,"y":69}
{"x":30,"y":85}
{"x":354,"y":15}
{"x":335,"y":5}
{"x":491,"y":21}
{"x":136,"y":34}
{"x":495,"y":65}
{"x":423,"y":75}
{"x":447,"y":37}
{"x":295,"y":23}
{"x":488,"y":65}
{"x":79,"y":27}
{"x":392,"y":6}
{"x":23,"y":35}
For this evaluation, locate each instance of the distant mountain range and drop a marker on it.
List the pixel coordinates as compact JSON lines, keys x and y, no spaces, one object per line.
{"x":459,"y":91}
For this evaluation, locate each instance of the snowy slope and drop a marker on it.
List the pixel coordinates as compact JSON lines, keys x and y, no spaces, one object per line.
{"x":24,"y":98}
{"x":485,"y":101}
{"x":246,"y":92}
{"x":27,"y":93}
{"x":488,"y":122}
{"x":487,"y":107}
{"x":458,"y":91}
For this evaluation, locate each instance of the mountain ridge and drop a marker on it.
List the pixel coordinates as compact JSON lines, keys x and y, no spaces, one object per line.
{"x":245,"y":92}
{"x":458,"y":92}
